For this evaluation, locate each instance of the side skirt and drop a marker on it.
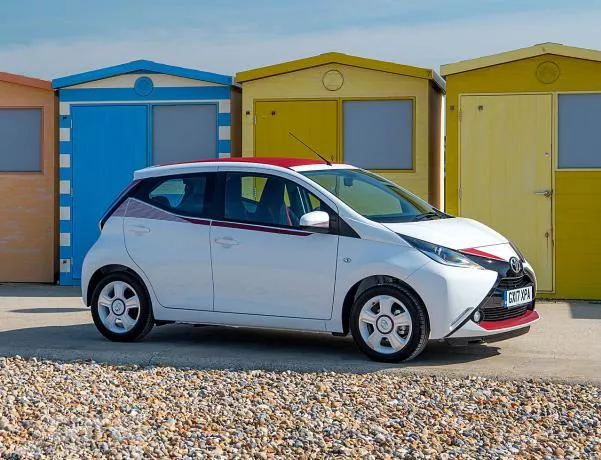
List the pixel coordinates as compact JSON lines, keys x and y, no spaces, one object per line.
{"x":164,"y":315}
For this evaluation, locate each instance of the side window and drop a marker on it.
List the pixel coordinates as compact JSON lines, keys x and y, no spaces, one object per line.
{"x":188,"y":195}
{"x":262,"y":199}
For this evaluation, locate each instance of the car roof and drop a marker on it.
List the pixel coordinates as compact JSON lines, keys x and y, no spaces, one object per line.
{"x":283,"y":162}
{"x":200,"y":165}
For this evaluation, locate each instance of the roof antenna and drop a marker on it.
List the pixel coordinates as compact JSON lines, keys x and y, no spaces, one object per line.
{"x":313,"y":150}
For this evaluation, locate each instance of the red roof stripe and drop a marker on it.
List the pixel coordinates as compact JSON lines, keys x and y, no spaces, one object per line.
{"x":282,"y":162}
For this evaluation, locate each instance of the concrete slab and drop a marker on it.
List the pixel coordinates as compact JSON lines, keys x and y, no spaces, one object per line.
{"x":51,"y":322}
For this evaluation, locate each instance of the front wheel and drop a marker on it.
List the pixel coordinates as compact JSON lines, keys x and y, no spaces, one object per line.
{"x":389,"y":324}
{"x":121,"y":309}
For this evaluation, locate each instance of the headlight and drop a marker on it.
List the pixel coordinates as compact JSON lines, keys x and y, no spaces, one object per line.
{"x":441,"y":254}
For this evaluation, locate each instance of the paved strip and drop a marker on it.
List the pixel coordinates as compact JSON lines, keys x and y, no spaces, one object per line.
{"x":50,"y":322}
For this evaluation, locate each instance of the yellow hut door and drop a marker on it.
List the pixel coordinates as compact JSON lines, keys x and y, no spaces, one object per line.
{"x":314,"y":123}
{"x":506,"y":172}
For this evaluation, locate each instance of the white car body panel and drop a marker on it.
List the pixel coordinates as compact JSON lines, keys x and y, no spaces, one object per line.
{"x":457,"y":290}
{"x":288,"y":281}
{"x":181,"y":270}
{"x":264,"y":273}
{"x":110,"y":250}
{"x":456,"y":233}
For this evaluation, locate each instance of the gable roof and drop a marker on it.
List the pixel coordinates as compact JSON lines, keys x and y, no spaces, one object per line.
{"x":340,"y":58}
{"x":25,"y":81}
{"x":140,"y":66}
{"x":522,"y":53}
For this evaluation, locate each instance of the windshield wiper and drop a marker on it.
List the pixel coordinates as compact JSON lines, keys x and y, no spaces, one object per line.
{"x":427,"y":215}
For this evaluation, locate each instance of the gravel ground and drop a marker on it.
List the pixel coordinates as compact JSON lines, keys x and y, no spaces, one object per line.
{"x":85,"y":409}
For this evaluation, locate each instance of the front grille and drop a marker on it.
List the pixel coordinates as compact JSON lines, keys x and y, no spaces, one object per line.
{"x":493,"y":309}
{"x":514,"y":283}
{"x":500,"y":313}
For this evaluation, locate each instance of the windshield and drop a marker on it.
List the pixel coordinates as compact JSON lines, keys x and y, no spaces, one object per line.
{"x":374,"y":197}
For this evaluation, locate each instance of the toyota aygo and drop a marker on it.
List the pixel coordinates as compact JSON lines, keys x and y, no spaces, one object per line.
{"x":305,"y":245}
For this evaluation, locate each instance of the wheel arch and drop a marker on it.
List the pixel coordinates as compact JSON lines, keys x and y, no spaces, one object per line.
{"x":107,"y":270}
{"x":375,"y":280}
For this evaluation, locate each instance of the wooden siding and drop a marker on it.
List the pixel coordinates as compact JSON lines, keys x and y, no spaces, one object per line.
{"x":435,"y":147}
{"x":577,"y":234}
{"x":27,"y":200}
{"x":236,"y":122}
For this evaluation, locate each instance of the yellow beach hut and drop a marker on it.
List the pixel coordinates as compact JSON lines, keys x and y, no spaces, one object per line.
{"x":523,"y":154}
{"x":378,"y":115}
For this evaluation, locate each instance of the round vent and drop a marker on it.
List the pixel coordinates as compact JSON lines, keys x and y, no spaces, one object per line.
{"x":332,"y":80}
{"x":547,"y":72}
{"x":143,"y":86}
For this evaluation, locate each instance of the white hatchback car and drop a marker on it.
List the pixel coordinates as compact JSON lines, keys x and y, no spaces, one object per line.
{"x":305,"y":245}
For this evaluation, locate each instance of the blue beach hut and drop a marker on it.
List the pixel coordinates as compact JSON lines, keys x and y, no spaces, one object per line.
{"x":118,"y":119}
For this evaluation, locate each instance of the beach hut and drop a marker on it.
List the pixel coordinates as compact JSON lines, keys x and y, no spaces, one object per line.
{"x":118,"y":119}
{"x":523,"y":154}
{"x":27,"y":179}
{"x":378,"y":115}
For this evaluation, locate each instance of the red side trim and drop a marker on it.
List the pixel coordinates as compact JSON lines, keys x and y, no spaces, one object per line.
{"x":477,"y":252}
{"x":197,"y":221}
{"x":260,"y":228}
{"x":526,"y":318}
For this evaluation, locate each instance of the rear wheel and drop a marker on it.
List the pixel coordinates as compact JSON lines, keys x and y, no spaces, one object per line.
{"x":121,"y":309}
{"x":389,"y":324}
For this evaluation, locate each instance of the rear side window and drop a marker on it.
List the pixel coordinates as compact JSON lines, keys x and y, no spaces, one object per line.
{"x":190,"y":195}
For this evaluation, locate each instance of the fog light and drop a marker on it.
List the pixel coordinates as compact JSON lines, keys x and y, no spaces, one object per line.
{"x":477,"y":316}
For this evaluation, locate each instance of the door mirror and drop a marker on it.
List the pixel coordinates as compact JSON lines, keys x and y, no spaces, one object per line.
{"x":316,"y":221}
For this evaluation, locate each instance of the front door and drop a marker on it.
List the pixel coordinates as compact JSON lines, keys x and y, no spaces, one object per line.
{"x":109,"y":144}
{"x":293,"y":128}
{"x":263,"y":264}
{"x":506,"y":172}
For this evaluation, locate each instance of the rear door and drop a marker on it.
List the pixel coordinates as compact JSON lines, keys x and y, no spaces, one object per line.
{"x":167,"y":230}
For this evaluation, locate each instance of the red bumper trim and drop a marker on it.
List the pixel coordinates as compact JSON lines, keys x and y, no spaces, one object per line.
{"x":526,"y":318}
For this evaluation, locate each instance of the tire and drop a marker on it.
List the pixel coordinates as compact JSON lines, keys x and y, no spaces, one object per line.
{"x":121,"y":308}
{"x":389,"y":324}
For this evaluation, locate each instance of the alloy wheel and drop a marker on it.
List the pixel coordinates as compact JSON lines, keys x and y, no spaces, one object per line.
{"x":385,"y":324}
{"x":119,"y":307}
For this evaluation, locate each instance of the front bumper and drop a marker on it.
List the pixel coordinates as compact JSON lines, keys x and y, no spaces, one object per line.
{"x":496,"y":337}
{"x":491,"y":318}
{"x":484,"y":329}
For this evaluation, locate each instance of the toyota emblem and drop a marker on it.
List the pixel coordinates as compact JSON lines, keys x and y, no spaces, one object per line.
{"x":515,"y":264}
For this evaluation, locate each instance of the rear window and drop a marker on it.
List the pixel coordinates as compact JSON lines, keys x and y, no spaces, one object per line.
{"x":190,"y":195}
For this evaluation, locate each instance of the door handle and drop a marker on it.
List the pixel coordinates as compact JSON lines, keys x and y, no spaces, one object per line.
{"x":226,"y":242}
{"x":139,"y":229}
{"x":545,"y":193}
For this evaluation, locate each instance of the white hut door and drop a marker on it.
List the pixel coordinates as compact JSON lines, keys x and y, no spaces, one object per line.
{"x":505,"y":172}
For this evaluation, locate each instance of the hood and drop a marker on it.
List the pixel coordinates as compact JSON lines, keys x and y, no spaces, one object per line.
{"x":454,"y":233}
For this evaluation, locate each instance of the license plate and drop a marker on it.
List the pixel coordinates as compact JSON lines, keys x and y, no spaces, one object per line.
{"x":517,"y":297}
